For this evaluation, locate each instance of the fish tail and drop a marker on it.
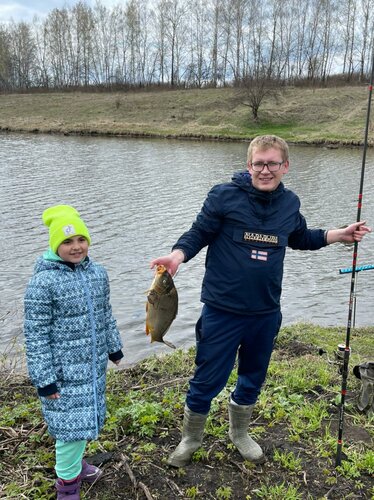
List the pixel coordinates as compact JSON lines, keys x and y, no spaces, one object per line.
{"x":169,"y":344}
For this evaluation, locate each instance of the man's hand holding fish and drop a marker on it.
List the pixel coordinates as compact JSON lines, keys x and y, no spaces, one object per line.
{"x":171,"y":261}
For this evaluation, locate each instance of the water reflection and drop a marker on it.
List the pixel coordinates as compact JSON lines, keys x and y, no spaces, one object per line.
{"x":138,"y":196}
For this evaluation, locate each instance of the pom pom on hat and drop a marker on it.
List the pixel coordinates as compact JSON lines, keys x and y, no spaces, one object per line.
{"x":64,"y":222}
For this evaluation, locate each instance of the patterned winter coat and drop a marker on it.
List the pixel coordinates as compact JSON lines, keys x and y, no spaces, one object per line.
{"x":70,"y":333}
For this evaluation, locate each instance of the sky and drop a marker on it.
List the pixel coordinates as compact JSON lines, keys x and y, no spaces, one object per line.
{"x":25,"y":10}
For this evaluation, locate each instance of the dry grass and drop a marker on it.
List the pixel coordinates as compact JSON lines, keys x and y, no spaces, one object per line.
{"x":333,"y":115}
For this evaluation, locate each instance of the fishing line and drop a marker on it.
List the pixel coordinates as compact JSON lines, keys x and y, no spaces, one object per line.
{"x":347,"y":349}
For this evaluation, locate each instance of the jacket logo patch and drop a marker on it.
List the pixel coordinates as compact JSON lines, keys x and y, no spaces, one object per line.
{"x":262,"y":238}
{"x":259,"y":255}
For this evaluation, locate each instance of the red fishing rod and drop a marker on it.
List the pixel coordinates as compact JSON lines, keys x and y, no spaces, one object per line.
{"x":347,"y":349}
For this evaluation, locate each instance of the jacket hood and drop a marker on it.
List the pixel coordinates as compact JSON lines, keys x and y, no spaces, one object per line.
{"x":243,"y":180}
{"x":45,"y":264}
{"x":51,"y":255}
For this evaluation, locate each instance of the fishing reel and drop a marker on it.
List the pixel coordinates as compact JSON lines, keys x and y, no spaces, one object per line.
{"x":338,"y":359}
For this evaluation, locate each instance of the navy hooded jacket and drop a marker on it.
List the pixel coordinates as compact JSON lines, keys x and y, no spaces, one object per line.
{"x":247,"y":232}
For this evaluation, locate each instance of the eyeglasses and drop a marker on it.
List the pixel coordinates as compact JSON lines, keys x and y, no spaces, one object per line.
{"x":273,"y":166}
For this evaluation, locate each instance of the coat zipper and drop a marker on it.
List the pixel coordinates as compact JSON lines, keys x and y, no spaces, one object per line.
{"x":94,"y":357}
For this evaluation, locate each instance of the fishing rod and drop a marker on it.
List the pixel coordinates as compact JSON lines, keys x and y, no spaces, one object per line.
{"x":347,"y":350}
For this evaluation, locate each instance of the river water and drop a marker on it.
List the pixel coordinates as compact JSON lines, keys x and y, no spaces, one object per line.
{"x":137,"y":196}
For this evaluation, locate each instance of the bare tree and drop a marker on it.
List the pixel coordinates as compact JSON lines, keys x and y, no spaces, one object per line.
{"x":349,"y":11}
{"x":189,"y":41}
{"x":22,"y":49}
{"x":104,"y":44}
{"x":215,"y":11}
{"x":300,"y":10}
{"x":199,"y":36}
{"x":276,"y":6}
{"x":227,"y":29}
{"x":5,"y":58}
{"x":236,"y":20}
{"x":322,"y":34}
{"x":160,"y":16}
{"x":132,"y":15}
{"x":367,"y":8}
{"x":41,"y":64}
{"x":287,"y":29}
{"x":58,"y":34}
{"x":175,"y":12}
{"x":253,"y":90}
{"x":255,"y":38}
{"x":82,"y":21}
{"x":314,"y":42}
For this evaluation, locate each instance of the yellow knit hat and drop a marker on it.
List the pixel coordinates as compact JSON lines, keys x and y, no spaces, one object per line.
{"x":64,"y":222}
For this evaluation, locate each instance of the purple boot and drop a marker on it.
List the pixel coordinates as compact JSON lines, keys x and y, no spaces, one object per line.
{"x":90,"y":473}
{"x":68,"y":491}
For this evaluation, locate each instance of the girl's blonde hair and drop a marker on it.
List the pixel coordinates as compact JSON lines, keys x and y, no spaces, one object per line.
{"x":264,"y":142}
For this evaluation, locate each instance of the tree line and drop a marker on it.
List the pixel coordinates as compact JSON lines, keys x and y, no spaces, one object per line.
{"x":191,"y":43}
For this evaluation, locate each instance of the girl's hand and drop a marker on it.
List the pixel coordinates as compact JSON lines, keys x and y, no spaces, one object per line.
{"x":56,"y":395}
{"x":117,"y":362}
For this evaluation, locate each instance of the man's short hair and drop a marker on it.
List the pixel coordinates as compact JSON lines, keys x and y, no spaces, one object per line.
{"x":264,"y":142}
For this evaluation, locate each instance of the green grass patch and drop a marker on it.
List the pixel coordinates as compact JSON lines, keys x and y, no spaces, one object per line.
{"x":295,"y":420}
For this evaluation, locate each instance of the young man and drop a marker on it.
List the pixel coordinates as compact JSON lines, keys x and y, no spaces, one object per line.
{"x":247,"y":225}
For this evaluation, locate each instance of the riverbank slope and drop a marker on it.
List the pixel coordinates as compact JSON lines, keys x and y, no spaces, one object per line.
{"x":331,"y":116}
{"x":295,"y":421}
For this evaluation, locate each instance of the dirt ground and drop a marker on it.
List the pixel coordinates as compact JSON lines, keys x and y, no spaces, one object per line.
{"x":151,"y":477}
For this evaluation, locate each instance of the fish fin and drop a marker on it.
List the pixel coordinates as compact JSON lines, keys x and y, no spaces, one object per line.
{"x":146,"y":324}
{"x":169,"y":344}
{"x":147,"y":329}
{"x":153,"y":298}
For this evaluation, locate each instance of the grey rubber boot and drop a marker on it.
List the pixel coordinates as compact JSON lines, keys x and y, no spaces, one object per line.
{"x":192,"y":437}
{"x":240,"y":416}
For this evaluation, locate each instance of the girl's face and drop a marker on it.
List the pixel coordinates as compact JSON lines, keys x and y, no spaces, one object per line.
{"x":73,"y":249}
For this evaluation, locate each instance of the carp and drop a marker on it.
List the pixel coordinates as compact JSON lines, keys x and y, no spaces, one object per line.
{"x":161,"y":306}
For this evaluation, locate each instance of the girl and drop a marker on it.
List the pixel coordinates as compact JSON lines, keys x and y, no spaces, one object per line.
{"x":70,"y":334}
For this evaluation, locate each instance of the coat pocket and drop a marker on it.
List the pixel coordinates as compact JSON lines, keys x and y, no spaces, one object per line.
{"x":77,"y":374}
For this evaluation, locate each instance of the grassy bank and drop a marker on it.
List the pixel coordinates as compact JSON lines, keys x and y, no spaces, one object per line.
{"x":295,"y":421}
{"x":311,"y":116}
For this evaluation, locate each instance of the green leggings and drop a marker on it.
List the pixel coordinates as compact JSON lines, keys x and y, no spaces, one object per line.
{"x":69,"y":458}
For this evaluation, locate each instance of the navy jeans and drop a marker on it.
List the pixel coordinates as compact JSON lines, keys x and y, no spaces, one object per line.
{"x":220,"y":336}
